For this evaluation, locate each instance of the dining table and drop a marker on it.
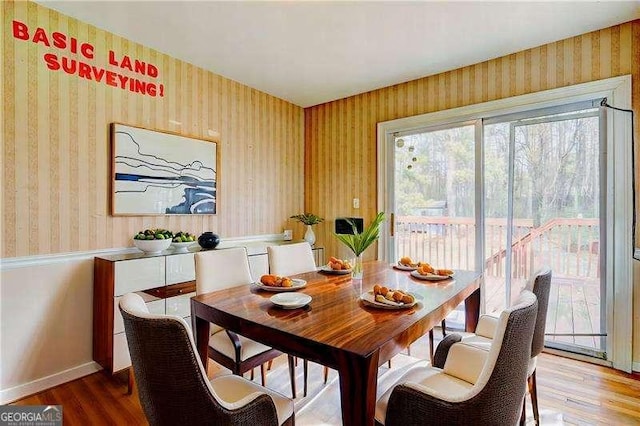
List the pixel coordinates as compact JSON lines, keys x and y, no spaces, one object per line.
{"x":337,"y":328}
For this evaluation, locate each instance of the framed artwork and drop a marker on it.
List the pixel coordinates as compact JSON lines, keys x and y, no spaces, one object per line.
{"x":158,"y":173}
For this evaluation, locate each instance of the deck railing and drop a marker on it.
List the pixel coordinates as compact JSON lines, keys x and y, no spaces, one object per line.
{"x":569,"y":246}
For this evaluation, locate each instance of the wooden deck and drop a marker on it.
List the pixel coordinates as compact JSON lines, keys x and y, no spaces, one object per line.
{"x":574,"y":307}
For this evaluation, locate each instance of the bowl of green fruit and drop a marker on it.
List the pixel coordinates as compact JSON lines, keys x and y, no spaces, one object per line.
{"x":153,"y":241}
{"x":182,"y":241}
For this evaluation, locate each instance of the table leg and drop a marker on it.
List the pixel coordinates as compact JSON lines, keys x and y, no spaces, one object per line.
{"x":202,"y":340}
{"x":472,"y":311}
{"x":358,"y":386}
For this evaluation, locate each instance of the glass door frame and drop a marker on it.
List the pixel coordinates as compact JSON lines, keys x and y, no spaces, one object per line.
{"x":620,"y":242}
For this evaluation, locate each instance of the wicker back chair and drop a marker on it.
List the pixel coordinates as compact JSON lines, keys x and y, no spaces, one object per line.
{"x":540,"y":285}
{"x":172,"y":384}
{"x":475,"y":386}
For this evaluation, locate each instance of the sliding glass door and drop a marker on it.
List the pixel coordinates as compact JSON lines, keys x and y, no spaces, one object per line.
{"x":508,"y":195}
{"x":543,"y":179}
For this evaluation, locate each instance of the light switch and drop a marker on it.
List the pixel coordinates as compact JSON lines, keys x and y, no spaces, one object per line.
{"x":356,"y":203}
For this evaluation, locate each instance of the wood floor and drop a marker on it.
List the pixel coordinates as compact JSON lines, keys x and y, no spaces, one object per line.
{"x":569,"y":392}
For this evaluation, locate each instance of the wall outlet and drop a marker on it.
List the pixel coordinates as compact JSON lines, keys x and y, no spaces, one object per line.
{"x":288,"y":235}
{"x":356,"y":203}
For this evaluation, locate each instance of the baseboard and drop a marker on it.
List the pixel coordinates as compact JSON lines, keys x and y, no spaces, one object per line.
{"x":39,"y":385}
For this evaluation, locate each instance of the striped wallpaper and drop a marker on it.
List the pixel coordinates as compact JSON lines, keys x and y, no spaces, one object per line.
{"x":55,"y":154}
{"x":340,"y":136}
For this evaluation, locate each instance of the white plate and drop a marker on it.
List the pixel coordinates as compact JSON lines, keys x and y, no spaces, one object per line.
{"x":297,"y":284}
{"x":290,"y":300}
{"x":431,"y":277}
{"x":329,"y":270}
{"x":404,"y":267}
{"x":369,"y":299}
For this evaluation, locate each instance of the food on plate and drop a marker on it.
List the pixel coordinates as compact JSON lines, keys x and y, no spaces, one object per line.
{"x":409,"y":263}
{"x":406,"y":261}
{"x":338,"y":264}
{"x":425,"y":269}
{"x":383,"y":295}
{"x":276,"y":281}
{"x":153,"y":234}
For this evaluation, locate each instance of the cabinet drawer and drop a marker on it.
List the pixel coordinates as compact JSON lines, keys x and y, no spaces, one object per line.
{"x":180,"y":268}
{"x":155,"y":307}
{"x":179,"y":305}
{"x":139,"y":274}
{"x":121,"y":358}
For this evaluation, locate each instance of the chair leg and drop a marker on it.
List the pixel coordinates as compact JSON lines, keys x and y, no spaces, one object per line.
{"x":252,"y":374}
{"x":263,"y":375}
{"x":292,"y":375}
{"x":431,"y":345}
{"x":389,"y":363}
{"x":305,"y":365}
{"x":523,"y":415}
{"x":534,"y":396}
{"x":326,"y":374}
{"x":409,"y":350}
{"x":444,"y":328}
{"x":130,"y":381}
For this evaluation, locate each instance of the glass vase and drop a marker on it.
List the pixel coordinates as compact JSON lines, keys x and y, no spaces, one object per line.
{"x":356,"y":267}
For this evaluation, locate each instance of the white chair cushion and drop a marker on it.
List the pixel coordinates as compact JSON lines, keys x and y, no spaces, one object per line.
{"x":487,"y":325}
{"x":465,"y":362}
{"x":423,"y":375}
{"x":477,"y":341}
{"x":233,"y":389}
{"x":221,"y":342}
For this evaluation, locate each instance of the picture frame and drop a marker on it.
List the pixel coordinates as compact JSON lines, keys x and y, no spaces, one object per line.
{"x":162,"y":173}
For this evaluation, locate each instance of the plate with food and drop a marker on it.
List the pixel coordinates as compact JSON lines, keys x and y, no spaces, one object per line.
{"x":434,"y":275}
{"x":277,"y":283}
{"x":384,"y":298}
{"x":336,"y":266}
{"x":290,"y":300}
{"x":407,"y":264}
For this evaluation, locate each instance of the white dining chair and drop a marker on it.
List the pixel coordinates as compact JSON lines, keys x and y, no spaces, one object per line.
{"x":218,"y":270}
{"x":292,"y":259}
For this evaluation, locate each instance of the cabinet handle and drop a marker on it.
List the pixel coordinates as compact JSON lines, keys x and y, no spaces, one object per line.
{"x":180,"y":291}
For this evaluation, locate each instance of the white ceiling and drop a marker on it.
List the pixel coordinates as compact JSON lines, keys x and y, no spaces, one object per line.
{"x":313,"y":52}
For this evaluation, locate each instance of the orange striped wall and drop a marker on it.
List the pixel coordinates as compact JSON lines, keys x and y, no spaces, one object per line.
{"x":55,"y":157}
{"x":340,"y":136}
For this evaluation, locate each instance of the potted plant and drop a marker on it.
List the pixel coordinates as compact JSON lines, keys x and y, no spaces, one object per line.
{"x":308,"y":219}
{"x":359,"y":242}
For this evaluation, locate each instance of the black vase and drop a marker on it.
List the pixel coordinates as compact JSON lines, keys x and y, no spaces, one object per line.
{"x":208,"y":240}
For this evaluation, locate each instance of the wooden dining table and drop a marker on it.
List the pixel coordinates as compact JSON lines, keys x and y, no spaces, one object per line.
{"x":337,"y":329}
